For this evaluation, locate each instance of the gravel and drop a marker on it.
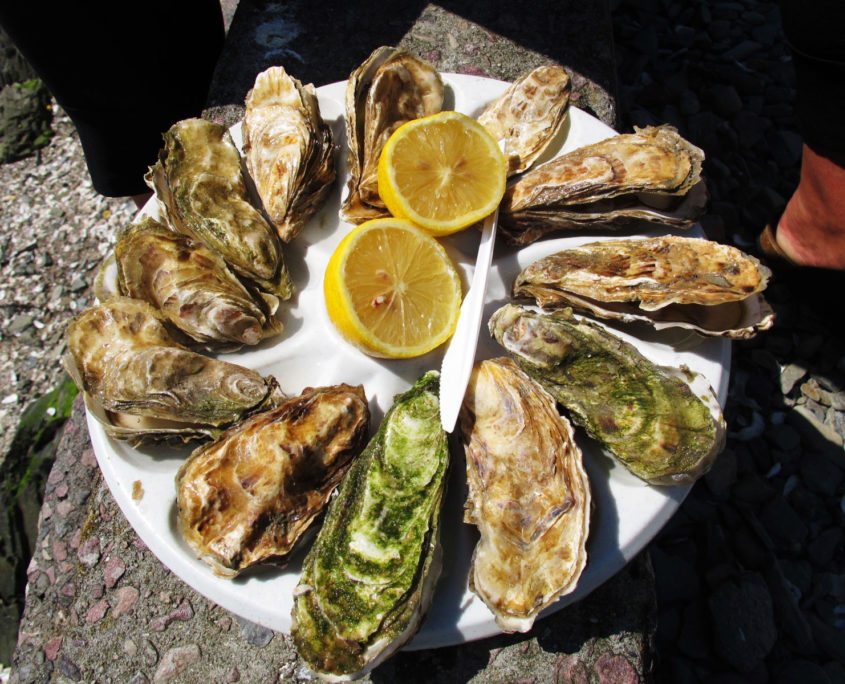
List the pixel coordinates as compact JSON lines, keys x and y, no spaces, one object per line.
{"x":56,"y":230}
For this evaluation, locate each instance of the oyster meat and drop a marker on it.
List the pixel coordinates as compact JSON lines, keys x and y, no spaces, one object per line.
{"x":528,"y":494}
{"x":390,"y":88}
{"x":122,"y":356}
{"x":199,"y":183}
{"x":368,"y":579}
{"x":248,"y":496}
{"x":648,"y":416}
{"x":667,"y":281}
{"x":288,"y":149}
{"x":529,"y":115}
{"x":192,"y":286}
{"x":651,"y":176}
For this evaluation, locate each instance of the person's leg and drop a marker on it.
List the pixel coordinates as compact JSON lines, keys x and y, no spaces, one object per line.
{"x":811,"y":231}
{"x":123,"y":73}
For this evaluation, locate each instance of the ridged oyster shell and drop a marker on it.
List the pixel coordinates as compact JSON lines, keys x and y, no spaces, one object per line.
{"x":529,"y":494}
{"x":627,"y":179}
{"x":369,"y":577}
{"x":247,"y":497}
{"x":288,"y":149}
{"x":192,"y":287}
{"x":663,"y":424}
{"x":199,"y":184}
{"x":391,"y":87}
{"x":529,"y":115}
{"x":668,"y":281}
{"x":122,"y":356}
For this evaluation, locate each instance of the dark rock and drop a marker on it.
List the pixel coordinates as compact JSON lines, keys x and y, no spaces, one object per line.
{"x":820,"y":474}
{"x":798,"y":572}
{"x":725,"y":100}
{"x":830,"y":639}
{"x":803,"y":671}
{"x":255,"y":634}
{"x":753,"y":489}
{"x":786,"y":528}
{"x":694,"y":639}
{"x":678,"y":579}
{"x":825,"y":546}
{"x":743,"y":621}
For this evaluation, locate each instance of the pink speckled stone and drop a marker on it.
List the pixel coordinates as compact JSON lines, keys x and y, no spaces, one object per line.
{"x":115,"y":567}
{"x":97,"y":612}
{"x":126,"y":599}
{"x":59,"y":550}
{"x":615,"y":669}
{"x":51,"y":648}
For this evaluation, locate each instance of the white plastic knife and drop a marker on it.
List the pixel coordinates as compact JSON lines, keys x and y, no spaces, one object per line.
{"x":460,"y":356}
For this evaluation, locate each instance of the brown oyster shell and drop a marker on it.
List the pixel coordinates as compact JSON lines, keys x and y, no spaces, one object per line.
{"x":390,"y":88}
{"x":651,"y":176}
{"x":247,"y":497}
{"x":529,"y":494}
{"x":668,"y":281}
{"x":529,"y":115}
{"x":192,"y":286}
{"x":288,"y":149}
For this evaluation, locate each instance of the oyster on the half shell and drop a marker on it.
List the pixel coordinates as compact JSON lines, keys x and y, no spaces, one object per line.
{"x":663,"y":424}
{"x":529,"y":115}
{"x":199,"y":183}
{"x":651,"y":176}
{"x":147,"y":386}
{"x":369,"y":578}
{"x":288,"y":149}
{"x":668,"y":281}
{"x":528,"y":494}
{"x":247,"y":497}
{"x":192,"y":286}
{"x":390,"y":88}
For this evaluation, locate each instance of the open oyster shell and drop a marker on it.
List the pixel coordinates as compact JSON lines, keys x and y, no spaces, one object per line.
{"x":529,"y":115}
{"x":663,"y":424}
{"x":247,"y":497}
{"x":288,"y":149}
{"x":669,"y":281}
{"x":122,"y":356}
{"x":192,"y":286}
{"x":651,"y":176}
{"x":369,"y":577}
{"x":390,"y":88}
{"x":199,"y":183}
{"x":528,"y":494}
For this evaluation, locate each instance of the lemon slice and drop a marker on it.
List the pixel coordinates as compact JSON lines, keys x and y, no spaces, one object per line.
{"x":391,"y":289}
{"x":443,"y":172}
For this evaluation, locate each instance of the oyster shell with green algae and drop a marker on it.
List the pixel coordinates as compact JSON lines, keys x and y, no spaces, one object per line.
{"x":391,"y":87}
{"x":250,"y":495}
{"x":199,"y":183}
{"x":646,"y":415}
{"x":192,"y":286}
{"x":651,"y":176}
{"x":147,"y":386}
{"x":667,"y":281}
{"x":369,"y":578}
{"x":529,"y":115}
{"x":288,"y":149}
{"x":529,"y":494}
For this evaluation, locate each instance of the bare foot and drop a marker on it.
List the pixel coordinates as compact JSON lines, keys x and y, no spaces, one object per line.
{"x":812,"y":229}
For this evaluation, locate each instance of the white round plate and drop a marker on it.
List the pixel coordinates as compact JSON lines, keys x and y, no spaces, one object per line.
{"x":310,"y":352}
